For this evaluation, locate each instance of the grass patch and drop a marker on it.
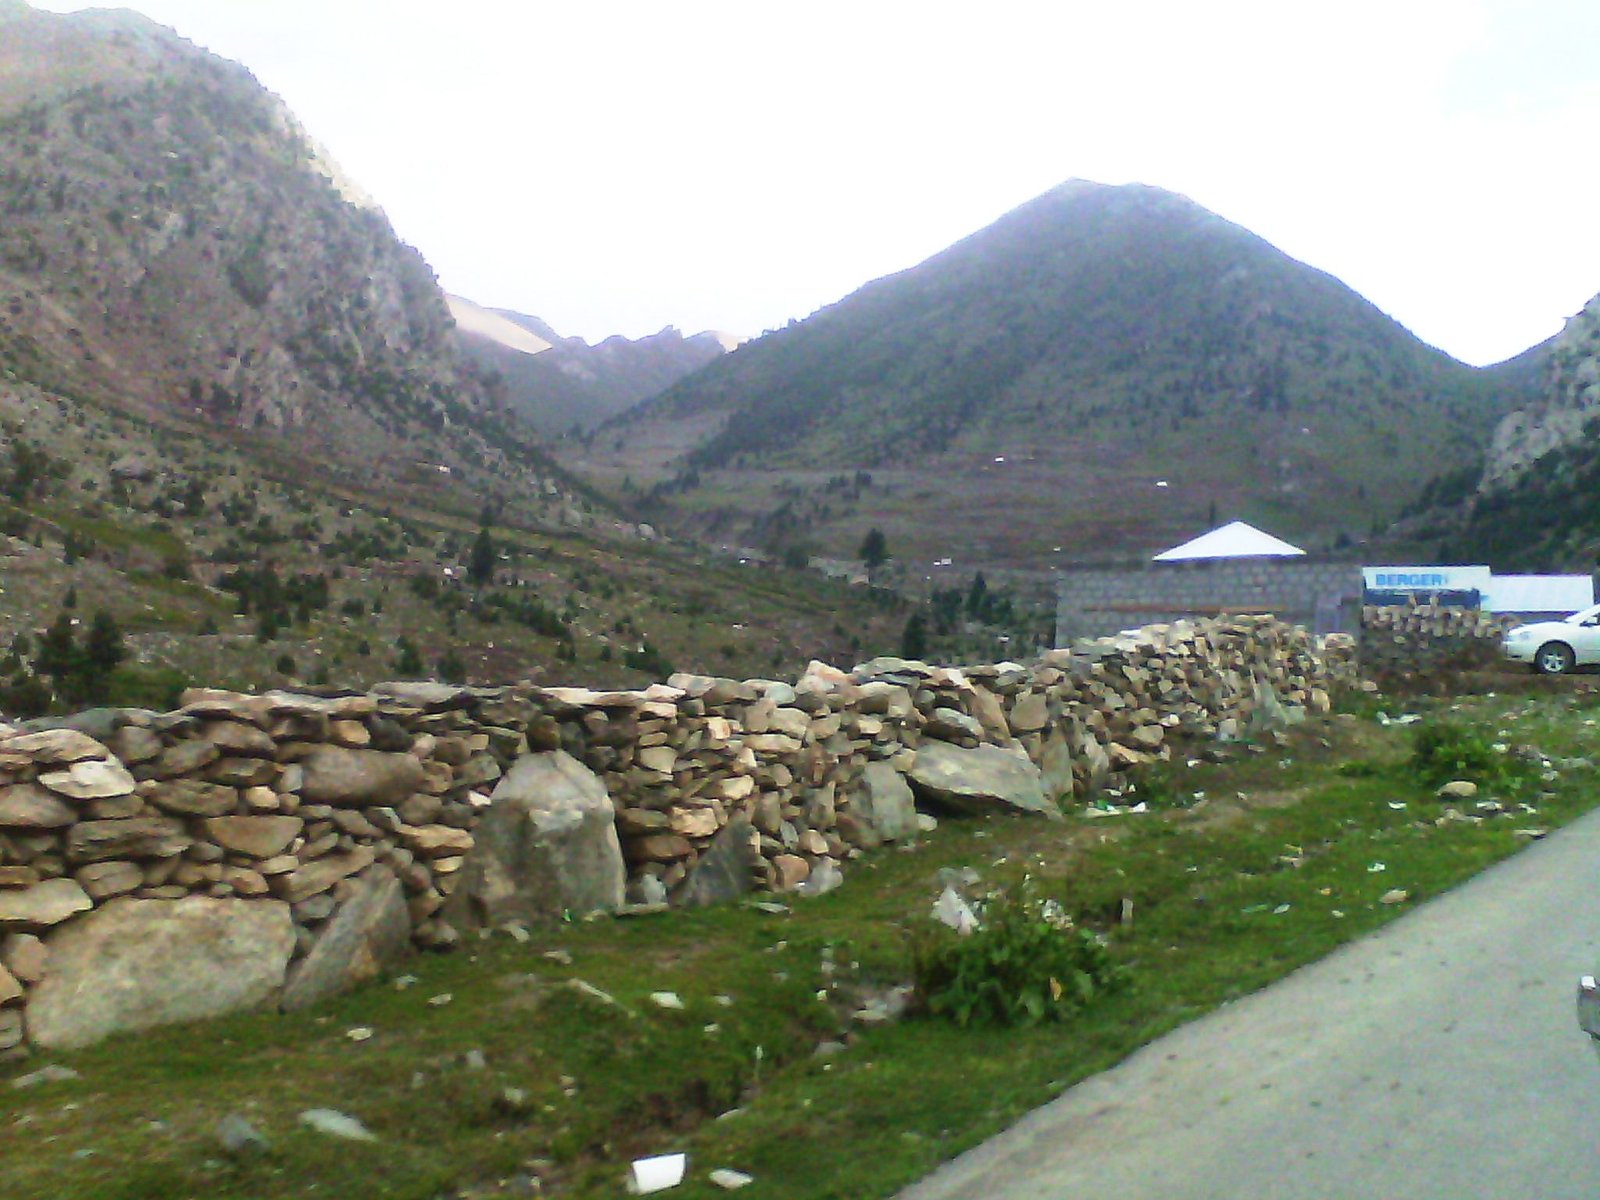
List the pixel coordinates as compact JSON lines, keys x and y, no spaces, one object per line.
{"x":1286,"y":857}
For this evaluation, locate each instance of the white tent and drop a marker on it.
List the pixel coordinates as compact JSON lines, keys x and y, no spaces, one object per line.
{"x":1233,"y":540}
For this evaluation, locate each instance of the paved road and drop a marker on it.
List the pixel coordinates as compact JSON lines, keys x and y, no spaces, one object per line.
{"x":1438,"y":1058}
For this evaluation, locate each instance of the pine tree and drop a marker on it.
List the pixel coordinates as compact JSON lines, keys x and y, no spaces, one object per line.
{"x":914,"y":638}
{"x":480,"y":566}
{"x":874,"y":549}
{"x":976,"y":595}
{"x":103,"y":651}
{"x":409,"y":664}
{"x":58,"y":656}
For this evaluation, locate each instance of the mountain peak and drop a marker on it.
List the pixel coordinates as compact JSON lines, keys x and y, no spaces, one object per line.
{"x":1120,"y":339}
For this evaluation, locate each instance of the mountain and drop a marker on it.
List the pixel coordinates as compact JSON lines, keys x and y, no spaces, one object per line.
{"x":1104,"y":369}
{"x":560,"y":384}
{"x":175,"y":244}
{"x":1534,"y":504}
{"x":235,"y":423}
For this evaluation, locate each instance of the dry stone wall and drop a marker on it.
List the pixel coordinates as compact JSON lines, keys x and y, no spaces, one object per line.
{"x":275,"y":848}
{"x":1406,"y":639}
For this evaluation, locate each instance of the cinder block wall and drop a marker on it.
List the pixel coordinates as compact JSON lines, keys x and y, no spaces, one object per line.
{"x":1100,"y":600}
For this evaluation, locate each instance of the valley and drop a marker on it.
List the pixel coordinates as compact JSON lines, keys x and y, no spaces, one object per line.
{"x":270,"y":443}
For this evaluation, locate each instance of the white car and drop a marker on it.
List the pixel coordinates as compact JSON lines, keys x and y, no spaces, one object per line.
{"x":1555,"y":647}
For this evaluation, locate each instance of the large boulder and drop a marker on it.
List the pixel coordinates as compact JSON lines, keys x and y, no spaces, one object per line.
{"x":335,"y":775}
{"x":884,"y":800}
{"x":981,"y":780}
{"x":546,"y":846}
{"x":133,"y":964}
{"x":726,"y":869}
{"x":370,"y":931}
{"x":1055,"y":766}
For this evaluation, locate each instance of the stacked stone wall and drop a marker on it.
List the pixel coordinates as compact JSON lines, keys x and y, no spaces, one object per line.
{"x":1410,"y":639}
{"x":323,"y":835}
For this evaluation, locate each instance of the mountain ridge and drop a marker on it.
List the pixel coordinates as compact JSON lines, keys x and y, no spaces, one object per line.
{"x":1092,"y":326}
{"x":177,"y":245}
{"x":564,"y":384}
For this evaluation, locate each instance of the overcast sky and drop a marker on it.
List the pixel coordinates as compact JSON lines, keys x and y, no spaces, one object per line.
{"x":616,"y":167}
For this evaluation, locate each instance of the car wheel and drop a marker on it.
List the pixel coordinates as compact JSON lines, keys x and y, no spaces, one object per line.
{"x":1554,"y":658}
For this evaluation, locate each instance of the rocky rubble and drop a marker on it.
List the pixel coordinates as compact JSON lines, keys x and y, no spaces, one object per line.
{"x":298,"y":844}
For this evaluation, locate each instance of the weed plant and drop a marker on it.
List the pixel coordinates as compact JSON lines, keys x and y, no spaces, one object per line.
{"x":1026,"y":963}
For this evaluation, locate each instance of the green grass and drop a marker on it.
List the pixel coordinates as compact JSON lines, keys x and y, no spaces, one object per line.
{"x":1227,"y":895}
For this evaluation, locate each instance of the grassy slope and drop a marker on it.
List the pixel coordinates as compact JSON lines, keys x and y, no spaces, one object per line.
{"x":1112,"y":337}
{"x":698,"y":612}
{"x":1208,"y":884}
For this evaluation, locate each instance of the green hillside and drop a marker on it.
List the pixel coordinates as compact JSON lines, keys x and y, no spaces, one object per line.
{"x":1100,"y":340}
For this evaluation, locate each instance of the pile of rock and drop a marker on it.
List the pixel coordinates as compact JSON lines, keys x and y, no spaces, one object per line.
{"x":1435,"y":621}
{"x":1401,"y":639}
{"x":281,"y":846}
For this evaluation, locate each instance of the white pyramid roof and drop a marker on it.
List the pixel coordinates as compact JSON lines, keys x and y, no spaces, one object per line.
{"x":1233,"y":540}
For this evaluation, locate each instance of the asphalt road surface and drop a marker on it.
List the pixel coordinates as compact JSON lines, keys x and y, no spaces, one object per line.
{"x":1438,"y":1058}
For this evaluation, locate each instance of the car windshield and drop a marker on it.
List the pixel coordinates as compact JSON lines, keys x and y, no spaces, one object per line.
{"x":1579,"y":618}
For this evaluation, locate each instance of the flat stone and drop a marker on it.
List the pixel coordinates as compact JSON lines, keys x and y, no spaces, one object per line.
{"x":50,"y":746}
{"x":131,"y":837}
{"x":633,"y":822}
{"x":135,"y":744}
{"x":1456,"y":789}
{"x":661,"y":759}
{"x":42,"y":905}
{"x":240,"y":739}
{"x":183,"y":758}
{"x":979,"y":780}
{"x":339,"y":775}
{"x":321,"y":874}
{"x":658,"y":847}
{"x":89,"y":779}
{"x":104,"y":880}
{"x":192,"y":797}
{"x":254,"y":837}
{"x":953,"y":726}
{"x":134,"y":964}
{"x":26,"y":806}
{"x":436,"y":841}
{"x":693,"y":822}
{"x":242,"y":772}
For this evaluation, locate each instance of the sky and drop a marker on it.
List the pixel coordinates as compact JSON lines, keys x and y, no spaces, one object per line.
{"x":616,"y":167}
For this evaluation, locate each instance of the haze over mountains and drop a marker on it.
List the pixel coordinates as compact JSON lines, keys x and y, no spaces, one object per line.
{"x":562,"y":384}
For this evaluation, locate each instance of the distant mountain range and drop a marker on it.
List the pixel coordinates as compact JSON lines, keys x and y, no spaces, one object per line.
{"x":1104,"y":369}
{"x":564,"y":384}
